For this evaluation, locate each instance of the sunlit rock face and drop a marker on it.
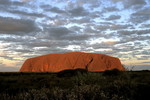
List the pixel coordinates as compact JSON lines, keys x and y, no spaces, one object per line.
{"x":73,"y":60}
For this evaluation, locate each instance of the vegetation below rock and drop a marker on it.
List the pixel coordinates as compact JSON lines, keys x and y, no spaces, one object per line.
{"x":79,"y":85}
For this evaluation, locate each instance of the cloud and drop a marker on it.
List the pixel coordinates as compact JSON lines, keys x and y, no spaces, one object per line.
{"x":59,"y":22}
{"x":79,"y":37}
{"x":27,"y":14}
{"x":30,"y":28}
{"x":141,"y":67}
{"x":7,"y":57}
{"x":83,"y":20}
{"x":144,"y":58}
{"x":144,"y":11}
{"x":146,"y":62}
{"x":10,"y":3}
{"x":8,"y":69}
{"x":113,"y":26}
{"x":145,"y":25}
{"x":110,"y":9}
{"x":23,"y":50}
{"x":110,"y":42}
{"x":146,"y":53}
{"x":57,"y":10}
{"x":140,"y":16}
{"x":16,"y":26}
{"x":58,"y":32}
{"x":113,"y":17}
{"x":131,"y":3}
{"x":79,"y":11}
{"x":5,"y":2}
{"x":25,"y":0}
{"x":90,"y":30}
{"x":137,"y":32}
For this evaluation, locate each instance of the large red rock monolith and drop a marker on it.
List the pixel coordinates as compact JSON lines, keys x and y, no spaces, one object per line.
{"x":72,"y":60}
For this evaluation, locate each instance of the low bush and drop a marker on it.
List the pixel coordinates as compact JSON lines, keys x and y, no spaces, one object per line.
{"x":82,"y":85}
{"x":113,"y":72}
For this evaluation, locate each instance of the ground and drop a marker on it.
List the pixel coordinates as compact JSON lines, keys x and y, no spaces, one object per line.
{"x":78,"y":85}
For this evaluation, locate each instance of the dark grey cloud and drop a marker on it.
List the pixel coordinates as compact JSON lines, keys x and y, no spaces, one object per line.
{"x":110,"y":9}
{"x":137,"y":32}
{"x":7,"y":57}
{"x":57,"y":10}
{"x":140,"y":16}
{"x":23,"y":50}
{"x":144,"y":58}
{"x":79,"y":3}
{"x":141,"y":67}
{"x":79,"y":11}
{"x":112,"y":26}
{"x":113,"y":17}
{"x":48,"y":8}
{"x":53,"y":49}
{"x":5,"y":2}
{"x":14,"y":49}
{"x":102,"y":27}
{"x":146,"y":63}
{"x":27,"y":14}
{"x":41,"y":48}
{"x":58,"y":32}
{"x":145,"y":26}
{"x":80,"y":37}
{"x":96,"y":14}
{"x":146,"y":52}
{"x":75,"y":28}
{"x":16,"y":26}
{"x":101,"y":46}
{"x":7,"y":5}
{"x":131,"y":4}
{"x":121,"y":26}
{"x":10,"y":2}
{"x":15,"y":39}
{"x":144,"y":11}
{"x":31,"y":45}
{"x":134,"y":3}
{"x":45,"y":6}
{"x":133,"y":39}
{"x":90,"y":30}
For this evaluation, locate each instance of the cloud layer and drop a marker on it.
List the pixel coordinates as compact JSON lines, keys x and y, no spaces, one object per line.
{"x":30,"y":28}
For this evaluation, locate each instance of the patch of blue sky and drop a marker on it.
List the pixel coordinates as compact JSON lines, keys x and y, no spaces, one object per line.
{"x":9,"y":15}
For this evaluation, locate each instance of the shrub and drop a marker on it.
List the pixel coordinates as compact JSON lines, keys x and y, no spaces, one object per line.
{"x":113,"y":72}
{"x":70,"y":73}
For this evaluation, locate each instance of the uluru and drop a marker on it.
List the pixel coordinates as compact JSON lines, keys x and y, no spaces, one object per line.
{"x":72,"y":60}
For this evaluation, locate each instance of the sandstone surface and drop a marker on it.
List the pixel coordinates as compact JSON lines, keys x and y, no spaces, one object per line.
{"x":73,"y":60}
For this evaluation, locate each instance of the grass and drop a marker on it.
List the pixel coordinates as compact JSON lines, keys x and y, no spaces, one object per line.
{"x":75,"y":85}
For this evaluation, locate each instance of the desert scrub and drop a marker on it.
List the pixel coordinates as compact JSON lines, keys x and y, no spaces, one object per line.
{"x":79,"y":86}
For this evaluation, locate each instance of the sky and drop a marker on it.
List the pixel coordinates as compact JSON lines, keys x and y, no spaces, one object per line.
{"x":119,"y":28}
